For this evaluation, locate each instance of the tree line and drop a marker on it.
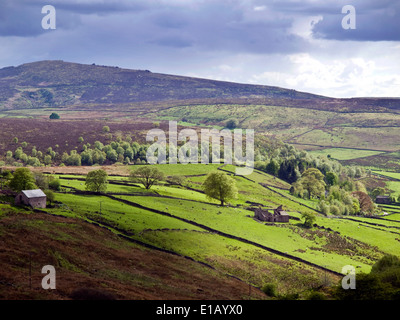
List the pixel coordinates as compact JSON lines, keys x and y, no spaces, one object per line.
{"x":336,"y":188}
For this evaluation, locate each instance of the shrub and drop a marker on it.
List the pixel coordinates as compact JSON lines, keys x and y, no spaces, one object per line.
{"x":324,"y":207}
{"x":231,"y":124}
{"x":54,"y":116}
{"x":315,"y":295}
{"x":386,"y":262}
{"x":50,"y":197}
{"x":269,"y":289}
{"x":176,"y":180}
{"x":290,"y":296}
{"x":55,"y":184}
{"x":309,"y":219}
{"x":335,"y":210}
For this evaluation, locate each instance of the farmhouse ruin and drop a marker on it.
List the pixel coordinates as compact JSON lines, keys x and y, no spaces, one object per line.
{"x":276,"y":215}
{"x":34,"y":198}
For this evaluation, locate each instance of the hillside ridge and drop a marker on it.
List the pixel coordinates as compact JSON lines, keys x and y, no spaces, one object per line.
{"x":57,"y":83}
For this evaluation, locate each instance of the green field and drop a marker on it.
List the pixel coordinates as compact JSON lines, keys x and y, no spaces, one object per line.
{"x":183,"y":220}
{"x":394,"y":175}
{"x":184,"y":238}
{"x":345,"y":154}
{"x":192,"y":214}
{"x":369,"y":130}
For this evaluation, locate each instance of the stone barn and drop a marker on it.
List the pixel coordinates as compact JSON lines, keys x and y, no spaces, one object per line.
{"x":276,"y":215}
{"x":34,"y":198}
{"x":383,"y":200}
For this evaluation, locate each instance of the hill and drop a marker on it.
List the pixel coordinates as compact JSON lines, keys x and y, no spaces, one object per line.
{"x":88,"y":257}
{"x":151,"y":242}
{"x":58,"y":83}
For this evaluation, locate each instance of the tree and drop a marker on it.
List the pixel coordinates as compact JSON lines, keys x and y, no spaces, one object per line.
{"x":309,"y":219}
{"x":112,"y":155}
{"x":218,"y":185}
{"x":387,"y":262}
{"x":96,"y":181}
{"x":49,"y":196}
{"x":176,"y":180}
{"x":287,"y":171}
{"x":5,"y":178}
{"x":147,"y":175}
{"x":23,"y":179}
{"x":54,"y":116}
{"x":272,"y":167}
{"x":366,"y":204}
{"x":106,"y":129}
{"x":382,"y":283}
{"x":231,"y":124}
{"x":312,"y":181}
{"x":331,"y":178}
{"x":55,"y":184}
{"x":379,"y":191}
{"x":47,"y":159}
{"x":41,"y":180}
{"x":9,"y":156}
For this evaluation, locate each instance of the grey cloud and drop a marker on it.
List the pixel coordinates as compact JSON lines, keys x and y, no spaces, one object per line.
{"x":22,"y":19}
{"x":228,"y":26}
{"x":175,"y":42}
{"x":207,"y":25}
{"x":375,"y":21}
{"x":19,"y":21}
{"x":101,"y":7}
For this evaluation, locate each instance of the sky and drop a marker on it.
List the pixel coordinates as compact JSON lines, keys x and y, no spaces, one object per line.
{"x":298,"y":44}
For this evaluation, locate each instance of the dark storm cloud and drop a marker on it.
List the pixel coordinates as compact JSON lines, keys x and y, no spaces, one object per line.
{"x":234,"y":26}
{"x":16,"y":20}
{"x":23,"y":18}
{"x":375,"y":21}
{"x":224,"y":26}
{"x":210,"y":25}
{"x":100,"y":7}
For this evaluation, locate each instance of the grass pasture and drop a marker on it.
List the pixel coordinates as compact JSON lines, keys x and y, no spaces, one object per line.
{"x":181,"y":220}
{"x":185,"y":239}
{"x":345,"y":154}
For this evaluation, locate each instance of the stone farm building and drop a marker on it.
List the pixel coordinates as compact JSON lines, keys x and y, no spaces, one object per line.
{"x":383,"y":200}
{"x":276,"y":215}
{"x":34,"y":198}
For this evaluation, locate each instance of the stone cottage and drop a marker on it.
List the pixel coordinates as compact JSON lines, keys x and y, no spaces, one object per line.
{"x":34,"y":198}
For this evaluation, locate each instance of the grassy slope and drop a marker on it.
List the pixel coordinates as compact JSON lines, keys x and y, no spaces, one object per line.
{"x":194,"y":206}
{"x":369,"y":130}
{"x":350,"y":242}
{"x":86,"y":256}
